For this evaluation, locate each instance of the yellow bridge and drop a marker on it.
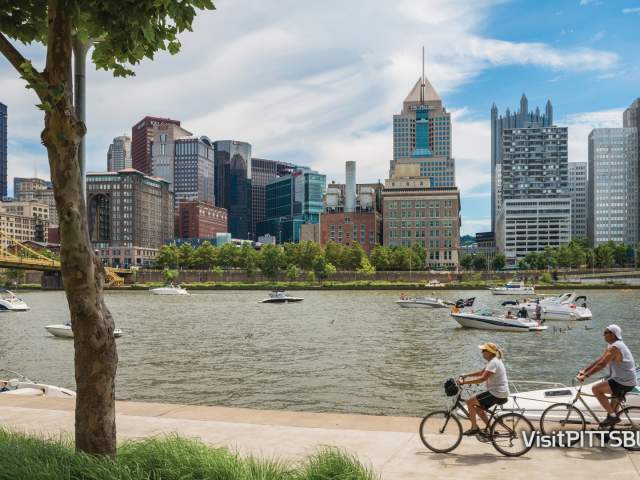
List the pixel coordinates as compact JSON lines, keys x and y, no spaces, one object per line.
{"x":15,"y":254}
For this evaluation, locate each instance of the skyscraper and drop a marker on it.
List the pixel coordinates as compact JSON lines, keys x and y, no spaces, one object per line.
{"x":522,"y":118}
{"x":193,"y":170}
{"x":578,"y":193}
{"x":262,"y":172}
{"x":534,"y":208}
{"x":3,"y":150}
{"x":150,"y":131}
{"x":119,"y":154}
{"x":233,"y":185}
{"x":613,"y":186}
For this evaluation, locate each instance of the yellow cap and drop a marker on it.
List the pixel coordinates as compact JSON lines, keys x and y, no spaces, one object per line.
{"x":489,"y":347}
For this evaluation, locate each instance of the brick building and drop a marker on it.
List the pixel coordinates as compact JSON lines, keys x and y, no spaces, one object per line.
{"x":346,"y":228}
{"x":200,"y":220}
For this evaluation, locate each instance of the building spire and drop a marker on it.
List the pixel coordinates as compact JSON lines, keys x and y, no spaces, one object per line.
{"x":422,"y":80}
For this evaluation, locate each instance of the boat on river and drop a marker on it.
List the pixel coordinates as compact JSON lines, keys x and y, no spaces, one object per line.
{"x":170,"y":289}
{"x":514,"y":287}
{"x":485,"y":318}
{"x":280,"y":296}
{"x":423,"y":302}
{"x":64,"y":330}
{"x":13,"y":383}
{"x":568,"y":306}
{"x":10,"y":302}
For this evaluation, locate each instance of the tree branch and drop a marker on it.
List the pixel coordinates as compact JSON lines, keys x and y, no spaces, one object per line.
{"x":17,"y":60}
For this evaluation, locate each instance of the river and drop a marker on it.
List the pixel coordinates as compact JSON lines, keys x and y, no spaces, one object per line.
{"x":338,"y":351}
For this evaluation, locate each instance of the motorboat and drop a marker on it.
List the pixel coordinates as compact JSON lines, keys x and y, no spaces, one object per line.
{"x":280,"y":296}
{"x":18,"y":384}
{"x":10,"y":302}
{"x":423,"y":302}
{"x":485,"y":318}
{"x":568,"y":306}
{"x":434,"y":283}
{"x":513,"y":288}
{"x":170,"y":289}
{"x":64,"y":330}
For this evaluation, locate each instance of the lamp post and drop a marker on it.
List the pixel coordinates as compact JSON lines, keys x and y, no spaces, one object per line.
{"x":80,"y":49}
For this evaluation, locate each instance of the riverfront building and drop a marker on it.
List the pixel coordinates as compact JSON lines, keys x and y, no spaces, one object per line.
{"x":200,"y":220}
{"x":521,"y":119}
{"x":155,"y":135}
{"x":130,"y":209}
{"x":291,"y":201}
{"x":233,"y":185}
{"x":578,"y":194}
{"x":534,"y":208}
{"x":262,"y":172}
{"x":25,"y":220}
{"x":119,"y":154}
{"x":613,"y":186}
{"x":3,"y":150}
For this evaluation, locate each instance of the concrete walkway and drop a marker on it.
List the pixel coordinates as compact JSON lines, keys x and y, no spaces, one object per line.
{"x":389,"y":444}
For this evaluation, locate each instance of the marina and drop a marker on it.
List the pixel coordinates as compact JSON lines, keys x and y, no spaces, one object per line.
{"x":338,"y":351}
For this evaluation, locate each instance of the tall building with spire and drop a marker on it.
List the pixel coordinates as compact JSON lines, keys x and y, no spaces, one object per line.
{"x":422,"y":134}
{"x":520,"y":119}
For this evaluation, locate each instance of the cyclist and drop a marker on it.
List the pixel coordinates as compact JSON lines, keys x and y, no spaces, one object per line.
{"x":497,"y":392}
{"x":622,"y":373}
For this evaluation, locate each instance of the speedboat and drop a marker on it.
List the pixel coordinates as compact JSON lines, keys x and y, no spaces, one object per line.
{"x":64,"y":330}
{"x":170,"y":289}
{"x":434,"y":283}
{"x":9,"y":301}
{"x":513,"y":288}
{"x":423,"y":302}
{"x":568,"y":306}
{"x":280,"y":296}
{"x":17,"y":384}
{"x":486,"y":319}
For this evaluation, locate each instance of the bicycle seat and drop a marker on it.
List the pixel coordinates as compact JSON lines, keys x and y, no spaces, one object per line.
{"x":502,"y":401}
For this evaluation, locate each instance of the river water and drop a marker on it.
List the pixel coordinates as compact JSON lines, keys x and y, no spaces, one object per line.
{"x":338,"y":351}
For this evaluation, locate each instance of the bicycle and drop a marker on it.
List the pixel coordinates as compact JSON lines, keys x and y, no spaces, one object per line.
{"x":441,"y":430}
{"x":567,"y":417}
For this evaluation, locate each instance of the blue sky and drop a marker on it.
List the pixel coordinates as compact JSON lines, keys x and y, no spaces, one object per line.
{"x":317,"y":83}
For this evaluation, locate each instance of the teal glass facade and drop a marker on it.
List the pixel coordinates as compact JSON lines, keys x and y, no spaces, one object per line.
{"x":290,"y":202}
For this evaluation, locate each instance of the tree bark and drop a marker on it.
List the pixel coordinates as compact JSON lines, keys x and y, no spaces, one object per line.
{"x":82,"y":274}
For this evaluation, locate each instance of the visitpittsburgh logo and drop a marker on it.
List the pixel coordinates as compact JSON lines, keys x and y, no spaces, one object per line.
{"x":586,"y":439}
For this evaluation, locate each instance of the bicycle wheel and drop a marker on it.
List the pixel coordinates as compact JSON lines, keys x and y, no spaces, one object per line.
{"x":562,"y":417}
{"x":630,"y":421}
{"x":440,"y":431}
{"x":507,"y":434}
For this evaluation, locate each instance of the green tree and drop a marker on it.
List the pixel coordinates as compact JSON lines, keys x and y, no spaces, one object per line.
{"x":467,"y":261}
{"x":292,"y":273}
{"x":352,"y":257}
{"x":366,"y":268}
{"x":380,"y":257}
{"x":307,"y":251}
{"x":205,"y":255}
{"x":329,"y":270}
{"x":400,"y":259}
{"x":228,"y":256}
{"x":185,"y":255}
{"x":169,"y":275}
{"x":479,"y":262}
{"x":604,"y":256}
{"x":271,"y":260}
{"x":168,"y":256}
{"x":418,"y":257}
{"x":127,"y":32}
{"x":499,"y":261}
{"x":334,"y":253}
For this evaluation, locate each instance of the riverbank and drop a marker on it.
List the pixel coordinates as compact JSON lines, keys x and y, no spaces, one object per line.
{"x":390,"y":445}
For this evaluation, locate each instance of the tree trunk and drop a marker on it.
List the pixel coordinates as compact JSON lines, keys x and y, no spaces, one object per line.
{"x":82,"y":274}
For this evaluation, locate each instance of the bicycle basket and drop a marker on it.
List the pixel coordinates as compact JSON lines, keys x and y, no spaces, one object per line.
{"x":451,"y":388}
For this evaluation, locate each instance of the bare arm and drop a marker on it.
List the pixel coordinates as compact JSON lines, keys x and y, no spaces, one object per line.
{"x":602,"y":362}
{"x":597,"y":360}
{"x":472,"y":374}
{"x":484,"y":375}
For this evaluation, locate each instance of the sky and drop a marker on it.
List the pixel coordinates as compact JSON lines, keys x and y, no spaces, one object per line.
{"x":318,"y":83}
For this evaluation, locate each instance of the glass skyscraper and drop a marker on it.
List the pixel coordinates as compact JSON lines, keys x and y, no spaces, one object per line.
{"x":233,"y":185}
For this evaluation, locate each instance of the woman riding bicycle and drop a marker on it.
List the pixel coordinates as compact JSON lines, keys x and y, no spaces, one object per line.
{"x":497,"y":392}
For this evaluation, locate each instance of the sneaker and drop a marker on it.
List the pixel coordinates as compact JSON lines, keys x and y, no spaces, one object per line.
{"x":610,"y":421}
{"x":483,"y":435}
{"x":471,"y":432}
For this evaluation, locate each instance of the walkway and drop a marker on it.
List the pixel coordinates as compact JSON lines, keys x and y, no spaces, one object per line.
{"x":389,"y":444}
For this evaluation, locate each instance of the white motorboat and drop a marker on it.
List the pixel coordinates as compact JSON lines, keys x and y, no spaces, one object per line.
{"x":64,"y":330}
{"x":17,"y":384}
{"x":423,"y":302}
{"x":434,"y":283}
{"x":10,"y":302}
{"x":568,"y":306}
{"x":170,"y":289}
{"x":513,"y":288}
{"x":487,"y":319}
{"x":280,"y":296}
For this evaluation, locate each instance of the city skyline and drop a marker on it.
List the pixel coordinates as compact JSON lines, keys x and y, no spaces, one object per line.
{"x":321,"y":101}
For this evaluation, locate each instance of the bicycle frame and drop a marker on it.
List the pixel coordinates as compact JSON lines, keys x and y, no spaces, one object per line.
{"x":458,"y":404}
{"x":616,"y":403}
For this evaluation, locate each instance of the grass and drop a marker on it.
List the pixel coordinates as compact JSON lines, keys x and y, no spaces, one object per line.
{"x":164,"y":458}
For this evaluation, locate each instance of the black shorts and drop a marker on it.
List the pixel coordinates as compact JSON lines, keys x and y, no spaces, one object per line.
{"x":486,"y":400}
{"x":619,"y":390}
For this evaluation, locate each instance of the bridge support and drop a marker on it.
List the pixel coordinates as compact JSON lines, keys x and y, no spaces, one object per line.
{"x":52,"y":279}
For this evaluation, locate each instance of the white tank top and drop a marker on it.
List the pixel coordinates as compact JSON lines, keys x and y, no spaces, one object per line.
{"x":624,"y":371}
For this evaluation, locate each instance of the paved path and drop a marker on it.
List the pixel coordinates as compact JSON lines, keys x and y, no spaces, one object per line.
{"x":389,"y":444}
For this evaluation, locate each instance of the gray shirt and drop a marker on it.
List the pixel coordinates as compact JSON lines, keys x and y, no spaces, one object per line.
{"x":623,"y":372}
{"x":497,"y":384}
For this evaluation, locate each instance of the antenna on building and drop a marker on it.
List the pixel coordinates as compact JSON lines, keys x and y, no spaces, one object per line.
{"x":422,"y":80}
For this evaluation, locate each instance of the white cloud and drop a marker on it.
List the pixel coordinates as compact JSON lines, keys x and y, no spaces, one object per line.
{"x":633,"y":10}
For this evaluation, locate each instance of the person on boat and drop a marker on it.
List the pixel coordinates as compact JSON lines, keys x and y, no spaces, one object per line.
{"x":538,"y":310}
{"x":509,"y":315}
{"x":522,"y":313}
{"x":495,"y":375}
{"x":622,"y":373}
